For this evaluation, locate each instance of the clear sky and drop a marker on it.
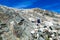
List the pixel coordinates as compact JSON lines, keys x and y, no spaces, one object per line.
{"x":53,"y":5}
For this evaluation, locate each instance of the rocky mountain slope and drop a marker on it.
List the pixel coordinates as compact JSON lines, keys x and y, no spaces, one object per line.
{"x":15,"y":29}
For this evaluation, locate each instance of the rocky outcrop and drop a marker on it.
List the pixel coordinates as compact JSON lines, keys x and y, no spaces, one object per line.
{"x":22,"y":30}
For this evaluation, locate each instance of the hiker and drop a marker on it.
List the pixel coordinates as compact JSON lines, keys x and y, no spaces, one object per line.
{"x":38,"y":22}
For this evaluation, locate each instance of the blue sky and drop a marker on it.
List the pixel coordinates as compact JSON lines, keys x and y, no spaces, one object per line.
{"x":53,"y":5}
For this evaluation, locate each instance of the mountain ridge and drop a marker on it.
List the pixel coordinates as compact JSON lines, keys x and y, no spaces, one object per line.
{"x":19,"y":23}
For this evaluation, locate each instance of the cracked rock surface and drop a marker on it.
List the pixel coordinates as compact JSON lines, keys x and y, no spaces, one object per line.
{"x":21,"y":29}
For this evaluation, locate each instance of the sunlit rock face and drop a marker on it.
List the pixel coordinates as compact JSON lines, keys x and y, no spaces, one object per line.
{"x":22,"y":29}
